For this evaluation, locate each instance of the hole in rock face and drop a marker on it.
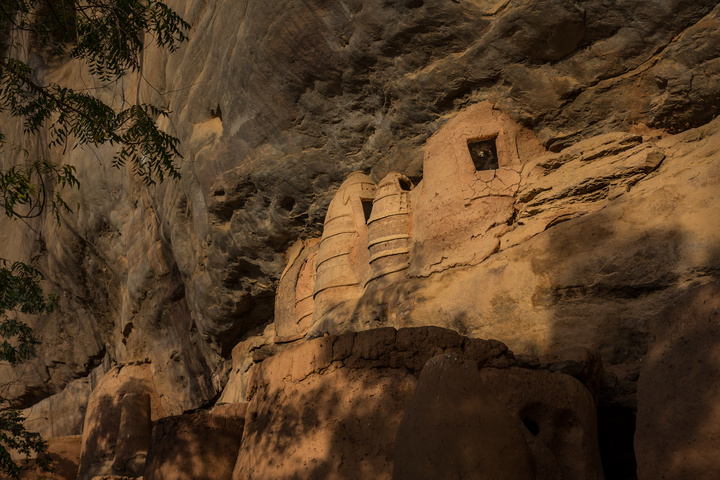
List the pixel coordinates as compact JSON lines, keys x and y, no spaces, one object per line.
{"x":367,"y":208}
{"x":531,"y":426}
{"x":287,"y":204}
{"x":216,"y":112}
{"x":616,"y":432}
{"x":484,"y":154}
{"x":405,"y":185}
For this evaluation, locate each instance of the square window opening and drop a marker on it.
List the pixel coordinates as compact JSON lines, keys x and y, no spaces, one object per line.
{"x":484,"y":154}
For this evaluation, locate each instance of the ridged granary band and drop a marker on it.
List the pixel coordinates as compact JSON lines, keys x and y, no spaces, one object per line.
{"x":394,"y":204}
{"x":340,"y":278}
{"x":389,"y":253}
{"x":335,"y":272}
{"x":339,"y":222}
{"x":390,"y":226}
{"x":388,"y":238}
{"x":307,"y":289}
{"x":382,"y":216}
{"x":331,"y":262}
{"x":334,"y":247}
{"x":387,"y":271}
{"x":391,"y":245}
{"x":390,"y":194}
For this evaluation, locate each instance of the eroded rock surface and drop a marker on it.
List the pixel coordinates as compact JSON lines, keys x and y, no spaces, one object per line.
{"x":118,"y":423}
{"x":197,"y":446}
{"x":593,"y":221}
{"x":451,"y":414}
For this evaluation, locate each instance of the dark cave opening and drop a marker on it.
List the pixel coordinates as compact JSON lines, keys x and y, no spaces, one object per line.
{"x":616,"y":433}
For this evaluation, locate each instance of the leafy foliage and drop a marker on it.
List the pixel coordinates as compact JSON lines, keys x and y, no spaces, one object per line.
{"x":109,"y":36}
{"x":20,"y":293}
{"x":14,"y":436}
{"x":23,"y":192}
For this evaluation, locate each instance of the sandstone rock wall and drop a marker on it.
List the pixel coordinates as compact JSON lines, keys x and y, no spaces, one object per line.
{"x":597,"y":217}
{"x":678,"y":389}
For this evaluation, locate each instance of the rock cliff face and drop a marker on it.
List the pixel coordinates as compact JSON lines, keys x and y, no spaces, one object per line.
{"x":556,"y":176}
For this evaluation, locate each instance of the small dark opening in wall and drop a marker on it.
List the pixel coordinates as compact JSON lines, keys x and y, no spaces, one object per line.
{"x":367,"y":209}
{"x":484,"y":154}
{"x":616,"y":432}
{"x":405,"y":184}
{"x":531,"y":426}
{"x":216,"y":112}
{"x":287,"y":204}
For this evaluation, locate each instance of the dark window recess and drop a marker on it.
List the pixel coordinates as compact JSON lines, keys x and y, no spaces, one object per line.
{"x":531,"y":426}
{"x":367,"y":209}
{"x":405,"y":184}
{"x":484,"y":154}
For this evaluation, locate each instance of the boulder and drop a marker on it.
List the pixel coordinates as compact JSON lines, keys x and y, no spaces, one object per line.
{"x":118,"y":423}
{"x":559,"y":416}
{"x":195,"y":446}
{"x":133,"y":436}
{"x":492,"y":423}
{"x":454,"y":427}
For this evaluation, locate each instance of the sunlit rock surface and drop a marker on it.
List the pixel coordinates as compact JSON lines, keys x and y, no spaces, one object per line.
{"x":599,"y":214}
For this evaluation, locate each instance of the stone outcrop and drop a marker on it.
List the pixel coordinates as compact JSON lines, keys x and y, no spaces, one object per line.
{"x":455,"y":427}
{"x":63,"y":414}
{"x":527,"y":259}
{"x":118,"y":423}
{"x":352,"y":406}
{"x":196,"y":446}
